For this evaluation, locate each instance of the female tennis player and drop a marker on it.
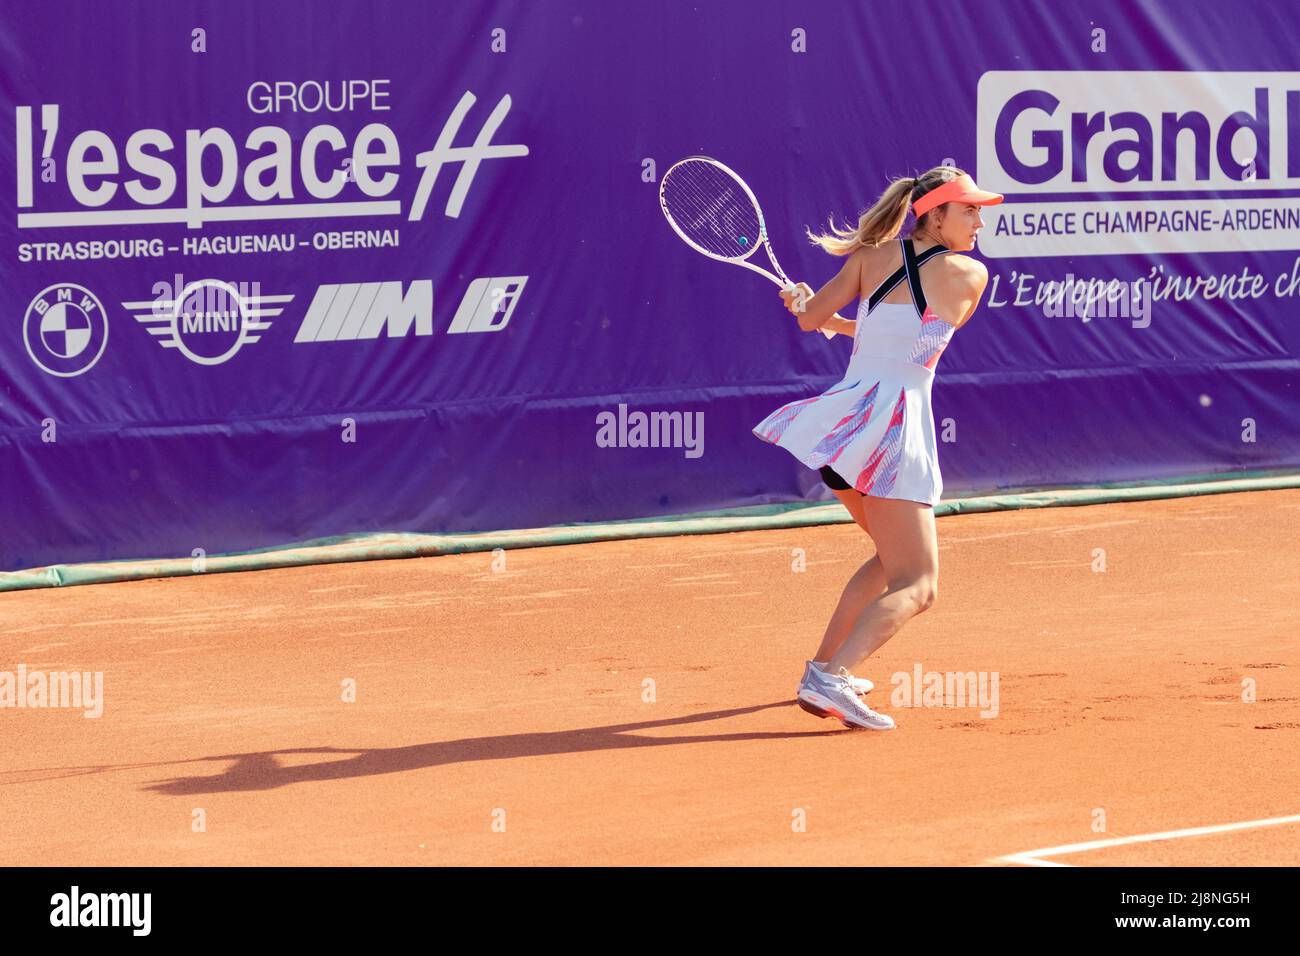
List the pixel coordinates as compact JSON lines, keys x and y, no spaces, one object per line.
{"x":871,"y":435}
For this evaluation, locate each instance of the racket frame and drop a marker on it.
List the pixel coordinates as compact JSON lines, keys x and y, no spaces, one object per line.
{"x":783,"y":280}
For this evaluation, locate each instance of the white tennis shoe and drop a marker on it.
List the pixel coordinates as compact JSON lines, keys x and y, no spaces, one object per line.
{"x":860,"y":685}
{"x":833,"y":695}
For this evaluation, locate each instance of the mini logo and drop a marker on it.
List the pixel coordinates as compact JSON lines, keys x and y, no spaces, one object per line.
{"x":209,"y":320}
{"x":65,"y":329}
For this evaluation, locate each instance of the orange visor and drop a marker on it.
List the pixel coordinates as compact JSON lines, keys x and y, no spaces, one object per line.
{"x":962,"y":189}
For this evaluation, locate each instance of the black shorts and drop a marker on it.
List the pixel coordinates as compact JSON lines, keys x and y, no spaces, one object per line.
{"x":833,"y":480}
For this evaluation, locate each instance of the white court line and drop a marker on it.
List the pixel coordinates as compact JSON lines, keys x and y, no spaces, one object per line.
{"x":1032,"y":857}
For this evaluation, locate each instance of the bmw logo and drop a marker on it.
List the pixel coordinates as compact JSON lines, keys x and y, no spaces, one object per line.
{"x":65,"y":329}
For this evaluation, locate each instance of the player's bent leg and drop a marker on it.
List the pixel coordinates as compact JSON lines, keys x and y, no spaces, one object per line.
{"x":908,"y":550}
{"x":867,"y":584}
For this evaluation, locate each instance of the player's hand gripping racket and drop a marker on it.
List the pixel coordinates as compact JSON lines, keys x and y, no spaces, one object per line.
{"x":716,"y":214}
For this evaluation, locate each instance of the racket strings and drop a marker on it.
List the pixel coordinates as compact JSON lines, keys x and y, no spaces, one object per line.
{"x":711,"y":209}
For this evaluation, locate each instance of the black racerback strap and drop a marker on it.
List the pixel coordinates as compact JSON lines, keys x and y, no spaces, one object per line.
{"x":909,"y":270}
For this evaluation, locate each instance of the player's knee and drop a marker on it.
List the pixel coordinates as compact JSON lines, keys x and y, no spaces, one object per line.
{"x":925,"y":592}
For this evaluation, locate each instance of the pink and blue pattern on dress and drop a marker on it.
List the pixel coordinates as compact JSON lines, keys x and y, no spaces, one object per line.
{"x":847,"y":429}
{"x":931,"y":341}
{"x":773,"y":427}
{"x":881,"y":470}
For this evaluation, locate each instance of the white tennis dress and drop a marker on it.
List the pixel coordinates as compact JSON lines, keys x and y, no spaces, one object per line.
{"x":875,"y":427}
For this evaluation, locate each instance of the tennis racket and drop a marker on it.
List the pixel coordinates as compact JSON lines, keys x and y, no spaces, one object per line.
{"x":716,"y":214}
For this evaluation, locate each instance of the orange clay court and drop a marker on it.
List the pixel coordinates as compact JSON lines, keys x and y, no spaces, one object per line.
{"x":486,"y":697}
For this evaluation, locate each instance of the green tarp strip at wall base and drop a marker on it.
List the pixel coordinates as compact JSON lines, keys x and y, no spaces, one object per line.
{"x":372,"y":547}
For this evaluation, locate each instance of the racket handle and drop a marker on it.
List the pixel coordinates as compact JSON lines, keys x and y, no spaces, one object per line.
{"x":785,"y":287}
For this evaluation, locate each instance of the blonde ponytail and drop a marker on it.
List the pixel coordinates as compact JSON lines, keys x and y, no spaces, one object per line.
{"x":884,"y":220}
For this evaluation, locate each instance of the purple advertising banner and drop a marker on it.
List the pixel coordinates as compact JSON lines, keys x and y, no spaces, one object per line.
{"x":278,"y":271}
